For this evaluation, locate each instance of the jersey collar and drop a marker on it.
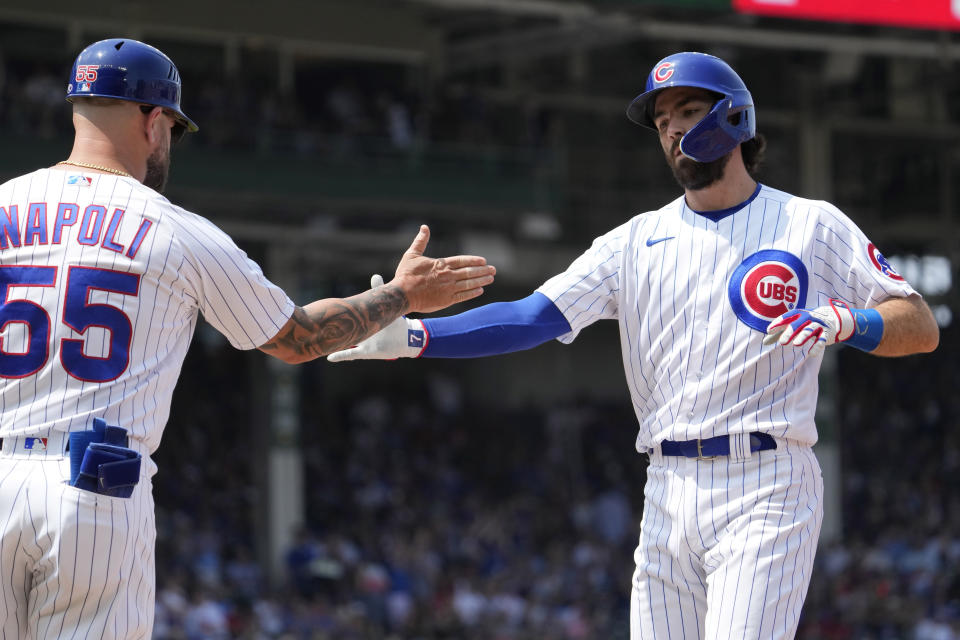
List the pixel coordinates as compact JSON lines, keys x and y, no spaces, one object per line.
{"x":717,"y":216}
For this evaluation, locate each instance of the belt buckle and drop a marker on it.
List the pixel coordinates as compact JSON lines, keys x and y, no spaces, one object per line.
{"x":700,"y":455}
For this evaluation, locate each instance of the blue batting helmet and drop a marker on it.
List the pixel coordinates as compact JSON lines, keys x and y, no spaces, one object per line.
{"x":715,"y":135}
{"x":126,"y":69}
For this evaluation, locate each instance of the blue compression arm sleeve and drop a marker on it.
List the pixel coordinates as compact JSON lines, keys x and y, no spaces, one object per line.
{"x":501,"y":327}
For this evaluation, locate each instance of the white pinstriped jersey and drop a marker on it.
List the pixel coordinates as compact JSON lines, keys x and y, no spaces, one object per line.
{"x":102,"y":280}
{"x":693,"y":294}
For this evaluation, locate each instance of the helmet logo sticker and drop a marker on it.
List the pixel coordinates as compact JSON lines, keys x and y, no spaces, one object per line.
{"x":765,"y":285}
{"x":86,"y":72}
{"x":663,"y":72}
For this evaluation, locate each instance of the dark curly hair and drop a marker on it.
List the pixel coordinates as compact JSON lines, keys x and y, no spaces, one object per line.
{"x":753,"y":151}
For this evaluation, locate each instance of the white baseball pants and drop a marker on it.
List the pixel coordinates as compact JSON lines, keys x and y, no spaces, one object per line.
{"x":73,"y":564}
{"x":726,"y":547}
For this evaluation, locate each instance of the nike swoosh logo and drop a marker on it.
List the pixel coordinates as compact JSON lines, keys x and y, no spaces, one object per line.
{"x":653,"y":241}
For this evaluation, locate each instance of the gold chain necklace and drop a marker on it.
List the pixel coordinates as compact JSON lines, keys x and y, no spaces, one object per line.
{"x":87,"y":165}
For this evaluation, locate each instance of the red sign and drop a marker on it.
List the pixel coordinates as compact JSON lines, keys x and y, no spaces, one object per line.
{"x":930,"y":14}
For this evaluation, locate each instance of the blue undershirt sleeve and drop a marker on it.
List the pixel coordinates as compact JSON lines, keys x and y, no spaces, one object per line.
{"x":501,"y":327}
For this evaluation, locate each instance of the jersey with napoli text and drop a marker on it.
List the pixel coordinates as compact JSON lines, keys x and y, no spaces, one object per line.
{"x":101,"y":282}
{"x":693,"y":294}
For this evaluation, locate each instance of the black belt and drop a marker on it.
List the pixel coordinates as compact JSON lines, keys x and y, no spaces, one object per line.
{"x":712,"y":447}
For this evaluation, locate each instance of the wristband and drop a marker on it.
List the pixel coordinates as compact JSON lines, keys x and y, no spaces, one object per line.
{"x":868,"y":329}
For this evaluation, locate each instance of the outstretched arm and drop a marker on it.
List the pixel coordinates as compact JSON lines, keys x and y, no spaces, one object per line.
{"x":501,"y":327}
{"x":331,"y":324}
{"x":420,"y":284}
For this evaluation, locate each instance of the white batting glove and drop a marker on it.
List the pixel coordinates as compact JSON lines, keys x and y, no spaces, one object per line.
{"x":402,"y":338}
{"x":818,"y":327}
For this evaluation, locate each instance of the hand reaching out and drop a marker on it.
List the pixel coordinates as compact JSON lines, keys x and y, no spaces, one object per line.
{"x":431,"y":284}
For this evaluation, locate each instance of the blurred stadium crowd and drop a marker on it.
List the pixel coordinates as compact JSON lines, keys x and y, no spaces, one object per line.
{"x":343,"y":112}
{"x":428,"y":518}
{"x":432,"y":518}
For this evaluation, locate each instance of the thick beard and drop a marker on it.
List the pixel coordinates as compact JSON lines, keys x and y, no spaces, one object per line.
{"x":158,"y":169}
{"x":693,"y":175}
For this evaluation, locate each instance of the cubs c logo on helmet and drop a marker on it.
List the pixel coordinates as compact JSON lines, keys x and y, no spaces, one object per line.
{"x":765,"y":285}
{"x":663,"y":72}
{"x":881,"y":264}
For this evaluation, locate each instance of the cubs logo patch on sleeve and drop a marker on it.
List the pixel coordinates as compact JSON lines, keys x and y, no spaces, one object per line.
{"x":765,"y":285}
{"x":881,"y":264}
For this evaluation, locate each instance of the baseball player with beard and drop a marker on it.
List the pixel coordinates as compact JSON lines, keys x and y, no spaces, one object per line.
{"x":726,"y":298}
{"x":101,"y":280}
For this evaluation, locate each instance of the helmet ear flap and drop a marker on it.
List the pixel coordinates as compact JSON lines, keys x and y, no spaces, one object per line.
{"x":715,"y":135}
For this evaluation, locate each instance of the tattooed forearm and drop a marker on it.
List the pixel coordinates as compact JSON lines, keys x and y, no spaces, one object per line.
{"x":333,"y":324}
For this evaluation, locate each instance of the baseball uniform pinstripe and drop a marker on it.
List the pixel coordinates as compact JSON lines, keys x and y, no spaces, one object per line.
{"x":102,"y":279}
{"x":726,"y":545}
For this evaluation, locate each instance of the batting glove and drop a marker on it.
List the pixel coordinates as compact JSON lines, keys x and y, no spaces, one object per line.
{"x":818,"y":327}
{"x":402,"y":338}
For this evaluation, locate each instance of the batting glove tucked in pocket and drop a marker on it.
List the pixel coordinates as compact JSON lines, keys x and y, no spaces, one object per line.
{"x":101,"y":462}
{"x":109,"y":470}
